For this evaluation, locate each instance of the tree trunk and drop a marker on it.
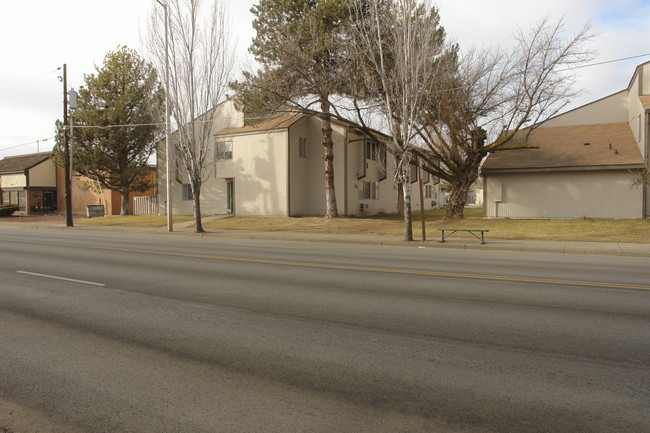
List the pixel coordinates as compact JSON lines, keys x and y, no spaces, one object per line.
{"x":400,"y":199}
{"x":456,"y":203}
{"x":196,"y":193}
{"x":124,"y":209}
{"x":467,"y":175}
{"x":328,"y":156}
{"x":408,"y":220}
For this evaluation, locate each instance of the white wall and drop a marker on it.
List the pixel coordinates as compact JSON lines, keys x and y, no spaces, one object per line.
{"x":612,"y":109}
{"x":590,"y":194}
{"x":261,"y":166}
{"x":300,"y":167}
{"x":644,"y":71}
{"x":213,"y":192}
{"x":636,"y":114}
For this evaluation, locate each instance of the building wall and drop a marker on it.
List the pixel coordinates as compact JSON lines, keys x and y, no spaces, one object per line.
{"x":358,"y":165}
{"x":13,"y":181}
{"x":43,"y":175}
{"x":84,"y":195}
{"x":213,"y":192}
{"x":261,"y":167}
{"x":315,"y":173}
{"x":645,"y":79}
{"x":271,"y":178}
{"x":612,"y":109}
{"x":299,"y":167}
{"x":590,"y":194}
{"x":636,"y":115}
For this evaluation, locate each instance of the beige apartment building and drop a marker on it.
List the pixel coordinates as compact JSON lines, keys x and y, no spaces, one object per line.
{"x":586,"y":163}
{"x":275,"y":168}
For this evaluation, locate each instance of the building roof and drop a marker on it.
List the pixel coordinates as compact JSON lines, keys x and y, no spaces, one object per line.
{"x":280,"y":122}
{"x":570,"y":147}
{"x":19,"y":163}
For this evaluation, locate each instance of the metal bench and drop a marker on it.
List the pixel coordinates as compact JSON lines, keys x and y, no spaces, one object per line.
{"x":472,"y":232}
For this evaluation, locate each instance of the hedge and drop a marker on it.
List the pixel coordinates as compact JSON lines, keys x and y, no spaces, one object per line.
{"x":7,"y":209}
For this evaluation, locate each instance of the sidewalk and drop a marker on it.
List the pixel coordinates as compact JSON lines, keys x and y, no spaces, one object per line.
{"x":433,"y":241}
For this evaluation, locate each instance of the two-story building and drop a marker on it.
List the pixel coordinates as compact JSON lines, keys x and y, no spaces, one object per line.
{"x":275,"y":167}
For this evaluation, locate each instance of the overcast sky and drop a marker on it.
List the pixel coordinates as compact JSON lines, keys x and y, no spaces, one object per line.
{"x":39,"y":36}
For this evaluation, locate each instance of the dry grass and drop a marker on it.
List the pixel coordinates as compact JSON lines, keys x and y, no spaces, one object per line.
{"x":596,"y":230}
{"x":133,"y":220}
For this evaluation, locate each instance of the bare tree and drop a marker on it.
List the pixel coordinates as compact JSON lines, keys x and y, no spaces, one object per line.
{"x":201,"y":59}
{"x":398,"y":46}
{"x":496,"y":99}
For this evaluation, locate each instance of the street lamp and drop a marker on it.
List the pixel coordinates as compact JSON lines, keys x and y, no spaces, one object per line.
{"x":170,"y":225}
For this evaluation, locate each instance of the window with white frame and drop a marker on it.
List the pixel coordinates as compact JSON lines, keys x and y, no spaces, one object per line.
{"x":186,"y":192}
{"x":428,"y":191}
{"x":369,"y":191}
{"x":223,"y":150}
{"x":302,"y":147}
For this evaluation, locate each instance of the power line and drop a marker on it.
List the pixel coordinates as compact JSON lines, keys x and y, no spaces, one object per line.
{"x":2,"y":92}
{"x":605,"y":62}
{"x":28,"y":143}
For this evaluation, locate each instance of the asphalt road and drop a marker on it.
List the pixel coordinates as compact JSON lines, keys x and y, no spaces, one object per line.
{"x":105,"y":332}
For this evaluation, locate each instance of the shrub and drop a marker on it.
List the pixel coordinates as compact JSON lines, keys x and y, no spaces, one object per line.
{"x":7,"y":209}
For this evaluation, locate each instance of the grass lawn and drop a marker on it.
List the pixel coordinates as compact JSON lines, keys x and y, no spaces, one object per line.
{"x":596,"y":230}
{"x":133,"y":220}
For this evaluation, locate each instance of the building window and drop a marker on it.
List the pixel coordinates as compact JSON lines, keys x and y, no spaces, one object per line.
{"x":428,"y":191}
{"x":372,"y":151}
{"x":186,"y":192}
{"x":369,"y":190}
{"x":302,"y":147}
{"x":223,"y":150}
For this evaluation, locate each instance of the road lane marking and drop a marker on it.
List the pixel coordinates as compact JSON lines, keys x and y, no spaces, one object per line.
{"x":342,"y":267}
{"x":54,"y":277}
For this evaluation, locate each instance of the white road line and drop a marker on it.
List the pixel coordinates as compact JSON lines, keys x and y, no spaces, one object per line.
{"x":90,"y":283}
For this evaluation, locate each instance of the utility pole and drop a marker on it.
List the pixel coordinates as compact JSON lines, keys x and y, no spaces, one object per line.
{"x":66,"y":152}
{"x":168,"y":159}
{"x":422,"y":215}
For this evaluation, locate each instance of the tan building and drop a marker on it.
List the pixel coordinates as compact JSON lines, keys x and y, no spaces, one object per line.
{"x":29,"y":181}
{"x":88,"y":193}
{"x":36,"y":185}
{"x":586,"y":163}
{"x":275,"y":168}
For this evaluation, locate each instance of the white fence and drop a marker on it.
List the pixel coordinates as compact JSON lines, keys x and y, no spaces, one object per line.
{"x":145,"y":205}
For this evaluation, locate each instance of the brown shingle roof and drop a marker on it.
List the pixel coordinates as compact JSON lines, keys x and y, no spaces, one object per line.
{"x":280,"y":122}
{"x":564,"y":147}
{"x":15,"y":164}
